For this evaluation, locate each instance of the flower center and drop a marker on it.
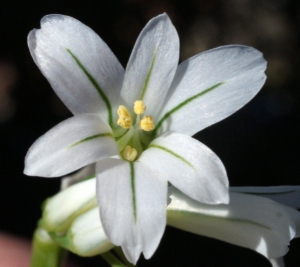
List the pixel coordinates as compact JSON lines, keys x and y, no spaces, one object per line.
{"x":135,"y":139}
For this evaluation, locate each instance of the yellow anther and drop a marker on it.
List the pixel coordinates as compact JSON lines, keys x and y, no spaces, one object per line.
{"x":147,"y":123}
{"x":139,"y":107}
{"x":129,"y":153}
{"x":124,"y":120}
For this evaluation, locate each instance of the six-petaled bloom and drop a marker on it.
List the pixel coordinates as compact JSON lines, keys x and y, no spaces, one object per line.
{"x":136,"y":124}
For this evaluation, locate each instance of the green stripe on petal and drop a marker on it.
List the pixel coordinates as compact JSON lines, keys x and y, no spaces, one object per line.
{"x":148,"y":75}
{"x":211,"y":217}
{"x":96,"y":85}
{"x":171,"y":153}
{"x":90,"y":138}
{"x":132,"y":177}
{"x":184,"y":103}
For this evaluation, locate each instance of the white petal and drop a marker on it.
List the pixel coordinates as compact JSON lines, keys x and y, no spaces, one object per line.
{"x":247,"y":221}
{"x":295,"y":215}
{"x":279,"y":262}
{"x":190,"y":166}
{"x":54,"y":48}
{"x":286,"y":195}
{"x":61,"y":209}
{"x":70,"y":145}
{"x":132,"y":200}
{"x":211,"y":86}
{"x":81,"y":175}
{"x":152,"y":65}
{"x":87,"y":236}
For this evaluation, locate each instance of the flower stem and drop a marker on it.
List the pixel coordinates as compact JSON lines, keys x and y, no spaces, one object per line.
{"x":45,"y":252}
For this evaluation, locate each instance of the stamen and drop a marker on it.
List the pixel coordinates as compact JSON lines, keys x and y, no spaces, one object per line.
{"x":139,"y":107}
{"x":129,"y":153}
{"x":125,"y":119}
{"x":147,"y":123}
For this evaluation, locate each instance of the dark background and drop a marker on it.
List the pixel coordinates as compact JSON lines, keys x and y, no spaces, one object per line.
{"x":259,"y":145}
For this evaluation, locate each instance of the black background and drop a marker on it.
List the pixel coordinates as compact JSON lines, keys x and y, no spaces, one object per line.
{"x":259,"y":145}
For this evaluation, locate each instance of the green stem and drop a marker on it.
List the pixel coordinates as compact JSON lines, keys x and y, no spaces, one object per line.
{"x":45,"y":252}
{"x":112,"y":260}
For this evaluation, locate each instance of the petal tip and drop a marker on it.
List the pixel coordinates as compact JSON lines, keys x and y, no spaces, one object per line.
{"x":31,"y":40}
{"x":162,"y":17}
{"x":132,"y":253}
{"x":49,"y":17}
{"x":27,"y":172}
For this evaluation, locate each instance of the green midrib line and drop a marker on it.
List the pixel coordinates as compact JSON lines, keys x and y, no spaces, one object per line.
{"x":182,"y":104}
{"x":96,"y":86}
{"x":232,"y":219}
{"x":148,"y":75}
{"x":90,"y":138}
{"x":172,"y":153}
{"x":132,"y":178}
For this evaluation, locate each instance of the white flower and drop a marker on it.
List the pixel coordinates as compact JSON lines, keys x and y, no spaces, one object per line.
{"x":250,"y":221}
{"x":137,"y":155}
{"x":288,"y":196}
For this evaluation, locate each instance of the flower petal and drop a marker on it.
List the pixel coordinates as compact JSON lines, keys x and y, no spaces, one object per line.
{"x":279,"y":262}
{"x":295,"y":215}
{"x":61,"y":209}
{"x":211,"y":86}
{"x":80,"y":67}
{"x":247,"y":221}
{"x":83,"y":174}
{"x":286,"y":195}
{"x":132,"y":200}
{"x":88,"y":235}
{"x":152,"y":65}
{"x":190,"y":166}
{"x":70,"y":145}
{"x":85,"y":237}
